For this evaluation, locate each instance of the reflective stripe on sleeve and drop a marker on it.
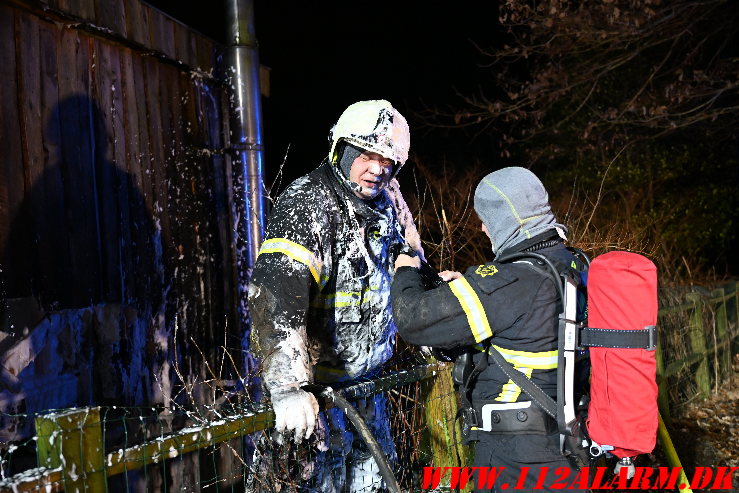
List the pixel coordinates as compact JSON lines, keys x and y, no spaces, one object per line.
{"x":473,"y":308}
{"x":339,"y":299}
{"x":298,"y":253}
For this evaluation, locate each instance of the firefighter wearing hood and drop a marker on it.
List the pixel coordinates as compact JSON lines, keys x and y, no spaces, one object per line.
{"x":320,"y":291}
{"x":512,"y":306}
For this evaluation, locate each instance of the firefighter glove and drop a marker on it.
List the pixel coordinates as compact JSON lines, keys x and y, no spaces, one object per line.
{"x":295,"y":413}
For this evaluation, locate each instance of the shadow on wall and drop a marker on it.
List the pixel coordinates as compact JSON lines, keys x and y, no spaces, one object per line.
{"x":82,"y":277}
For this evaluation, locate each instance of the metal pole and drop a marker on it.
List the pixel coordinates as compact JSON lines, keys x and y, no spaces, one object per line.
{"x":246,"y":125}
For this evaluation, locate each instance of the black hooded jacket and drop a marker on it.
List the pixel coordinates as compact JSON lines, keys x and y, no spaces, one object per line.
{"x":513,"y":305}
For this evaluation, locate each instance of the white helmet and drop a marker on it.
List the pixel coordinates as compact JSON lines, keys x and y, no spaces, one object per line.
{"x":374,"y":126}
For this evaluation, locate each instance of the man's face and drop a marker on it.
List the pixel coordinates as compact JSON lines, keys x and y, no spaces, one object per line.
{"x":371,"y":172}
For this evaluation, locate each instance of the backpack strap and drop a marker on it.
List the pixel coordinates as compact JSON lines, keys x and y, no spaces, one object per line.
{"x":567,"y":340}
{"x":530,"y":388}
{"x":645,"y":338}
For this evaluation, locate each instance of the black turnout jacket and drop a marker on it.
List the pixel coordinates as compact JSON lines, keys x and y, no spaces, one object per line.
{"x":514,"y":306}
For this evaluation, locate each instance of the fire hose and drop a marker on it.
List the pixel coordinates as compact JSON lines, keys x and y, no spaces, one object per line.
{"x":327,"y":398}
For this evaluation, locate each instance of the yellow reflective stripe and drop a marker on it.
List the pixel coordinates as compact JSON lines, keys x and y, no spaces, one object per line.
{"x":320,"y":372}
{"x":344,"y":298}
{"x":511,"y":391}
{"x":298,"y":253}
{"x":544,"y":360}
{"x":525,"y":362}
{"x":473,"y":308}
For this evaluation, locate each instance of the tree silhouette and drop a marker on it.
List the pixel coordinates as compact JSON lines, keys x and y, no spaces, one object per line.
{"x":633,"y":102}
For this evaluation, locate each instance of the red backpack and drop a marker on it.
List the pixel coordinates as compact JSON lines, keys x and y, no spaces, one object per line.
{"x":622,"y":296}
{"x":619,"y":413}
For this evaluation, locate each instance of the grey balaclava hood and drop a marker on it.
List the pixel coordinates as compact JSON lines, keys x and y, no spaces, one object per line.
{"x":348,"y":153}
{"x":514,"y":206}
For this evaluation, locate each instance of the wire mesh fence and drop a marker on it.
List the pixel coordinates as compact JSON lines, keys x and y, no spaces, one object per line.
{"x":698,"y":330}
{"x":234,"y":448}
{"x":410,"y":409}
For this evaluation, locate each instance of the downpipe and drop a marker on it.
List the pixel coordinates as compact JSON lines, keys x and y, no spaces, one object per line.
{"x":246,"y":124}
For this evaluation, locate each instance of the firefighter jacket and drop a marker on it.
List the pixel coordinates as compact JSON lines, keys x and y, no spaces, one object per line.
{"x":513,"y":306}
{"x":319,"y":295}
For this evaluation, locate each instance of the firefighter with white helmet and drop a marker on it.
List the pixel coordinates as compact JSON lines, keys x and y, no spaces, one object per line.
{"x":319,"y":295}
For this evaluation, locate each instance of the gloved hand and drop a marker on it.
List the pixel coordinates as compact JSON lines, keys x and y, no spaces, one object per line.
{"x":295,"y":412}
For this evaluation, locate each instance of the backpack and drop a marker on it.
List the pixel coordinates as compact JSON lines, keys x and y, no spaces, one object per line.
{"x":622,"y":299}
{"x":614,"y":410}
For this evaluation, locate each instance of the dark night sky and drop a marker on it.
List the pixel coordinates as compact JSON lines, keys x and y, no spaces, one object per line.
{"x":324,"y":56}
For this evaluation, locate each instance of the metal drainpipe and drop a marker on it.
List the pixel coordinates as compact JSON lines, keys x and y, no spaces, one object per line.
{"x":246,"y":126}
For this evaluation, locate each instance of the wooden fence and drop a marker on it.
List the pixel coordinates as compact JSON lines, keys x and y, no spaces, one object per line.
{"x":118,"y":276}
{"x":698,"y":340}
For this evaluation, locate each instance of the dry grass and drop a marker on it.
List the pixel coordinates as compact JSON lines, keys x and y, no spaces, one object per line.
{"x":442,"y":200}
{"x":446,"y":220}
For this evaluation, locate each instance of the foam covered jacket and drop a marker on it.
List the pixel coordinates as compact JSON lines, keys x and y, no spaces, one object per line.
{"x":320,"y":291}
{"x":518,"y":310}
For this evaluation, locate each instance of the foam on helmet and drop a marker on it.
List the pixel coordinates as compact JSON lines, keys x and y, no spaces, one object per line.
{"x":374,"y":126}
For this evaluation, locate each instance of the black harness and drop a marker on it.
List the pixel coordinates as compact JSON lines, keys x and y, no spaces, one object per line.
{"x":542,"y":414}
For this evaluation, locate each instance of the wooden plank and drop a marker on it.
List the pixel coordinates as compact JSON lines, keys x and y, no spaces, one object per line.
{"x":84,"y":9}
{"x":141,"y":226}
{"x":111,"y":15}
{"x":678,"y":365}
{"x":732,"y":313}
{"x":187,"y":440}
{"x":183,"y":48}
{"x":136,"y":88}
{"x":722,"y":333}
{"x":698,"y":344}
{"x":48,"y":201}
{"x":30,"y":95}
{"x":204,"y":58}
{"x":180,"y":208}
{"x":208,"y":240}
{"x":168,"y":41}
{"x":137,"y":21}
{"x":123,"y":178}
{"x":81,"y":451}
{"x":239,"y":311}
{"x":161,"y":33}
{"x":208,"y":98}
{"x":156,"y":26}
{"x":15,"y":241}
{"x":440,"y":411}
{"x":106,"y":172}
{"x":77,"y":116}
{"x":662,"y":382}
{"x":158,"y":156}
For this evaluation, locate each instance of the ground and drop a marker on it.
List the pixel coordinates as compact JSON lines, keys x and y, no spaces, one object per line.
{"x":707,"y":433}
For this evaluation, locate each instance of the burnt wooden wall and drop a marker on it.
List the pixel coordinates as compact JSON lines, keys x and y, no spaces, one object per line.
{"x":115,"y":193}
